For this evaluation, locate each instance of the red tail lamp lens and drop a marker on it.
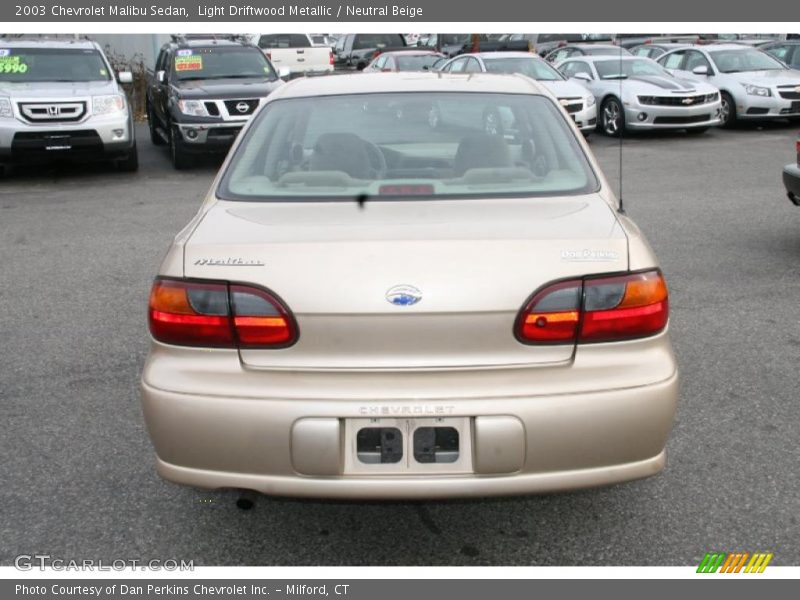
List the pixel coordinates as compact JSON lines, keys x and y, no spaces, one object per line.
{"x":260,"y":319}
{"x":190,"y":314}
{"x":552,"y":315}
{"x":216,"y":315}
{"x":597,"y":309}
{"x":624,"y":308}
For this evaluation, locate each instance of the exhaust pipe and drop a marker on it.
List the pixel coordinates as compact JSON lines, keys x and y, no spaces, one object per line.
{"x":247,"y":499}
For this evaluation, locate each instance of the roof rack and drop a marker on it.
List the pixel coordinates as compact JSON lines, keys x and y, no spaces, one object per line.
{"x":183,"y":38}
{"x":69,"y":37}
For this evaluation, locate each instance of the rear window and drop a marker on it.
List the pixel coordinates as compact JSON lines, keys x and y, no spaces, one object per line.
{"x":52,"y":64}
{"x":422,"y":145}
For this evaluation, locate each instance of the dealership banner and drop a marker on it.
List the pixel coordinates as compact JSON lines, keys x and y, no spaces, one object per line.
{"x":447,"y":11}
{"x":372,"y":589}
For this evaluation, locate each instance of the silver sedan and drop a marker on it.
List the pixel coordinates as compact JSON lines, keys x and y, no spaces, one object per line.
{"x":637,"y":93}
{"x":753,"y":84}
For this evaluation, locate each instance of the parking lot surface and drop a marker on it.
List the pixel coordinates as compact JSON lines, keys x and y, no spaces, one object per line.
{"x":80,"y":246}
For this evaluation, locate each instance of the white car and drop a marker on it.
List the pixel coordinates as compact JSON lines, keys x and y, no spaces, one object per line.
{"x":573,"y":97}
{"x":753,"y":84}
{"x":368,"y":306}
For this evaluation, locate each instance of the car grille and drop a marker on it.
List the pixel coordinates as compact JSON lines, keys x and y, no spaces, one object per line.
{"x":234,"y":107}
{"x":789,"y":93}
{"x":45,"y":141}
{"x":681,"y":120}
{"x":679,"y":100}
{"x":52,"y":112}
{"x":212,"y":109}
{"x":571,"y":105}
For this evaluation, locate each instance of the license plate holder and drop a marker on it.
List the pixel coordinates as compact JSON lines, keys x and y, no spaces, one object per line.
{"x":408,"y":446}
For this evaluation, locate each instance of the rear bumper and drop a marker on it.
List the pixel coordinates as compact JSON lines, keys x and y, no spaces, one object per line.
{"x":791,"y":180}
{"x":296,"y":445}
{"x":394,"y":488}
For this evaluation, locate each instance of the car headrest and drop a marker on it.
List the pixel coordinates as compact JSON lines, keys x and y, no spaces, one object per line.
{"x":480,"y":151}
{"x":342,"y":152}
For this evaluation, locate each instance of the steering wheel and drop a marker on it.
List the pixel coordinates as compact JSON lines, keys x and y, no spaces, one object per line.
{"x":377,"y":161}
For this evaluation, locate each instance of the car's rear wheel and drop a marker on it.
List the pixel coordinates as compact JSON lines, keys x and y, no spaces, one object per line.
{"x":612,"y":117}
{"x":727,"y":111}
{"x":155,"y":136}
{"x":130,"y":163}
{"x":180,"y":158}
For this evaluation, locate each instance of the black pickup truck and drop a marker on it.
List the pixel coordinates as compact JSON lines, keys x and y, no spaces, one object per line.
{"x":202,"y":92}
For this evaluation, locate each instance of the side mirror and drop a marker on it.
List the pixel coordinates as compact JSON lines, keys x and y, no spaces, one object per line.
{"x":125,"y":77}
{"x":582,"y":76}
{"x":161,"y":76}
{"x":284,"y":72}
{"x":701,"y":70}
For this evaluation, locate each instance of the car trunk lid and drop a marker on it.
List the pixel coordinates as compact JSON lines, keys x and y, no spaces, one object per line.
{"x":350,"y":275}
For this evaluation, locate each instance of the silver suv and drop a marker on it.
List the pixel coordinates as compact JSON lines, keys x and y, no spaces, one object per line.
{"x":59,"y":99}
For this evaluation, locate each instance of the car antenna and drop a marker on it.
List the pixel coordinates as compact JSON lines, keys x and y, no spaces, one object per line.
{"x":621,"y":207}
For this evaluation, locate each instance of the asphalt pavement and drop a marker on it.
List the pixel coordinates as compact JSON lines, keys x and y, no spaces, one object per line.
{"x":80,"y":245}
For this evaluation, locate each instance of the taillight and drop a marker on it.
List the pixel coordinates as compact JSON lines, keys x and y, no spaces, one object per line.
{"x":624,"y":307}
{"x":596,"y":309}
{"x":797,"y":149}
{"x":218,"y":315}
{"x":330,"y":58}
{"x":552,"y":314}
{"x":259,"y":319}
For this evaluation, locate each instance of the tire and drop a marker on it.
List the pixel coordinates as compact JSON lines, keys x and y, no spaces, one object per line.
{"x":129,"y":164}
{"x":180,"y":158}
{"x":612,"y":117}
{"x":155,"y":137}
{"x":696,"y":130}
{"x":728,"y":110}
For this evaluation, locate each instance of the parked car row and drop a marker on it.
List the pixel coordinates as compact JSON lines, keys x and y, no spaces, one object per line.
{"x":203,"y":89}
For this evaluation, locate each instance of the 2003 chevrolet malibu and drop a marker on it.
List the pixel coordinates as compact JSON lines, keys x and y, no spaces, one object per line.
{"x":380,"y":299}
